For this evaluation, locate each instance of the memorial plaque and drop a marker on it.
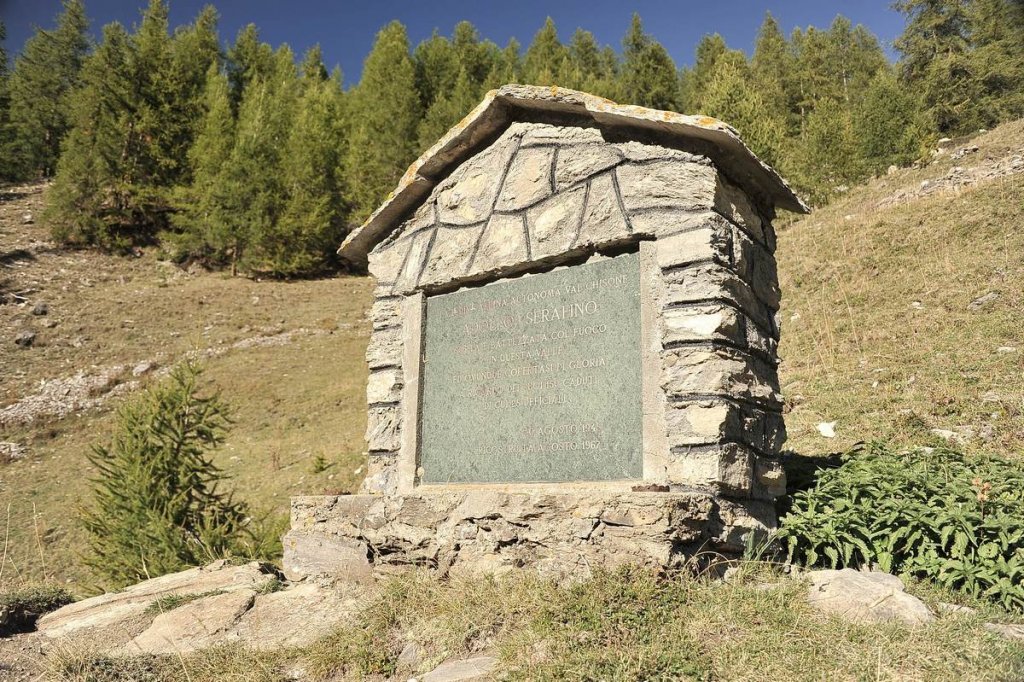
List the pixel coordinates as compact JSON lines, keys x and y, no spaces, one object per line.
{"x":536,"y":379}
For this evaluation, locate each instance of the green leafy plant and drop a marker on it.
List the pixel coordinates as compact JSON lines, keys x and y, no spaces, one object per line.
{"x":932,"y":514}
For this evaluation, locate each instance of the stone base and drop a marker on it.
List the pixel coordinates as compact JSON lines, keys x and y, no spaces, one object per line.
{"x":559,"y":535}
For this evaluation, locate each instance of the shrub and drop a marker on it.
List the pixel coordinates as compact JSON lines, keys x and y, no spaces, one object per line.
{"x":156,"y":503}
{"x":932,"y":514}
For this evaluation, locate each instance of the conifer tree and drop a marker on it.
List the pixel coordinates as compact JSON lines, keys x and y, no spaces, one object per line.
{"x":44,"y":75}
{"x":936,"y":62}
{"x":7,"y":171}
{"x":447,"y":110}
{"x":384,"y":112}
{"x":648,"y":73}
{"x":87,"y":201}
{"x":827,"y":157}
{"x":890,"y":124}
{"x":997,"y":38}
{"x":312,"y":221}
{"x":543,"y":56}
{"x":507,"y":67}
{"x":772,"y":74}
{"x":731,"y":96}
{"x":436,"y":66}
{"x":157,"y":506}
{"x":255,"y":192}
{"x":204,"y":207}
{"x":248,"y":58}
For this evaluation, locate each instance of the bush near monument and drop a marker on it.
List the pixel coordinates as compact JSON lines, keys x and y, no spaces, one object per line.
{"x":931,"y":514}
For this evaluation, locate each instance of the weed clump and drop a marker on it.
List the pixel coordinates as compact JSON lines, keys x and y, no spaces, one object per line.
{"x":931,"y":514}
{"x":20,"y":608}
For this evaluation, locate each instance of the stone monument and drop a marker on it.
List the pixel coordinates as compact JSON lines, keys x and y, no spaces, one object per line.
{"x":573,"y":356}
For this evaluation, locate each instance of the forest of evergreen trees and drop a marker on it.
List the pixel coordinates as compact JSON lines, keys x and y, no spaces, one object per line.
{"x":245,"y":156}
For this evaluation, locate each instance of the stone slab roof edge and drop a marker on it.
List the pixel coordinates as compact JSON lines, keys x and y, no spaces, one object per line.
{"x":510,"y":103}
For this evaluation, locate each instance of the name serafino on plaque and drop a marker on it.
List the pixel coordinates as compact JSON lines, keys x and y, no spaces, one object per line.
{"x":536,"y":379}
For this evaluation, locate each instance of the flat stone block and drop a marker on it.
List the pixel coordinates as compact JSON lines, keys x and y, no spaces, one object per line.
{"x":528,"y":180}
{"x":667,"y":184}
{"x":502,"y":244}
{"x":384,"y":386}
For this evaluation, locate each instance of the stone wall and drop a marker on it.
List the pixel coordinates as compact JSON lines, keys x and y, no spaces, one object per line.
{"x":544,"y":196}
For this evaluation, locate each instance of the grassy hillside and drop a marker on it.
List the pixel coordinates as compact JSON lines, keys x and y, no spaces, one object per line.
{"x":879,"y":333}
{"x":878,"y":336}
{"x":288,"y":357}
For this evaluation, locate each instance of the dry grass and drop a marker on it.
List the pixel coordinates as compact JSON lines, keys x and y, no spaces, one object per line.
{"x":876,"y":330}
{"x":622,"y":626}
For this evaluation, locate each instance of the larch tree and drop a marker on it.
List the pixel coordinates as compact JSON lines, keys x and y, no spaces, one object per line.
{"x":543,"y":56}
{"x":649,"y":75}
{"x":384,"y":113}
{"x":85,"y":204}
{"x":45,"y":74}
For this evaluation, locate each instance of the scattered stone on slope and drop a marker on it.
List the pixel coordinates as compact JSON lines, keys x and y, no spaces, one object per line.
{"x":866,"y":597}
{"x":10,"y":452}
{"x":25,"y":339}
{"x":982,"y":301}
{"x":476,"y":668}
{"x":40,"y":308}
{"x":1009,"y":631}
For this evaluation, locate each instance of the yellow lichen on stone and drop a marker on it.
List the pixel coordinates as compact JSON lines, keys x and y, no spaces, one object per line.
{"x":708,"y":121}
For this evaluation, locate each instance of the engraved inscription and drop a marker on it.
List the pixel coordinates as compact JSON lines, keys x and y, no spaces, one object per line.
{"x":535,"y":379}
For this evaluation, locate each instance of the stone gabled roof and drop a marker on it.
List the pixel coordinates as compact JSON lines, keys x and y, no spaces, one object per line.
{"x":703,"y":135}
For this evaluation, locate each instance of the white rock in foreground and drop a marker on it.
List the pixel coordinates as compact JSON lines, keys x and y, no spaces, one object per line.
{"x":865,"y":597}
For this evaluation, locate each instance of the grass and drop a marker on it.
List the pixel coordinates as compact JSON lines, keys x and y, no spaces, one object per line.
{"x":173,"y":601}
{"x":20,"y":607}
{"x":292,"y":403}
{"x":626,"y":625}
{"x":876,"y":330}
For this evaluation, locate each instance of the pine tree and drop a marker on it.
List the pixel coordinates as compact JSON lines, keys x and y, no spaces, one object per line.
{"x":936,"y":62}
{"x":447,"y":110}
{"x":7,"y":171}
{"x":543,"y":56}
{"x":248,"y":58}
{"x":255,"y":186}
{"x":312,"y":221}
{"x":157,"y":506}
{"x":997,"y":38}
{"x":86,"y":203}
{"x":891,"y":127}
{"x":648,"y":73}
{"x":204,"y":208}
{"x":772,"y":74}
{"x":507,"y":67}
{"x":44,"y":75}
{"x":731,"y":96}
{"x":384,"y":112}
{"x":827,"y":156}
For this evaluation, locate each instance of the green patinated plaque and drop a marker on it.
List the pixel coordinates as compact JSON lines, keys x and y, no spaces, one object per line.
{"x":535,"y":379}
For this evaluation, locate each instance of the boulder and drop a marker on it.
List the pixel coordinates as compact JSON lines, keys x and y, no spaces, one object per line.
{"x":113,"y":609}
{"x":196,"y":625}
{"x":865,"y":597}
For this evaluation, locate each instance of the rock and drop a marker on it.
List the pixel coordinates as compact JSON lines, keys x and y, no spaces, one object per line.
{"x":411,"y":656}
{"x":12,"y":451}
{"x":827,"y":429}
{"x":25,"y":339}
{"x":40,"y":308}
{"x":475,"y":668}
{"x":1006,"y":350}
{"x":1009,"y":631}
{"x":964,"y":151}
{"x":866,"y":597}
{"x":981,"y":302}
{"x":108,"y":610}
{"x":946,"y":607}
{"x":891,"y":169}
{"x":296,"y":616}
{"x":49,"y":323}
{"x":144,"y":367}
{"x":195,"y":625}
{"x":27,"y":219}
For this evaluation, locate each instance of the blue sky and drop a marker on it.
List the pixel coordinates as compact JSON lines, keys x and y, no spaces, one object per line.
{"x":345,"y":30}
